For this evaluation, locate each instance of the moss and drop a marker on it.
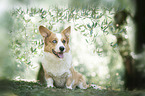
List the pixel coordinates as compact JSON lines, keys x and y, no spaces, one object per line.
{"x":22,"y":88}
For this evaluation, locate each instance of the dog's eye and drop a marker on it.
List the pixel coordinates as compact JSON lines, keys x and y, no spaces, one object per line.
{"x":63,"y":41}
{"x":54,"y":41}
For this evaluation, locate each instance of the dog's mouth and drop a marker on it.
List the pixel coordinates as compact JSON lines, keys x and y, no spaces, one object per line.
{"x":58,"y":54}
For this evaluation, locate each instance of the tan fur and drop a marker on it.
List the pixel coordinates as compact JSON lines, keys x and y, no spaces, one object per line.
{"x":65,"y":33}
{"x":60,"y":71}
{"x":48,"y":37}
{"x":48,"y":43}
{"x":77,"y":77}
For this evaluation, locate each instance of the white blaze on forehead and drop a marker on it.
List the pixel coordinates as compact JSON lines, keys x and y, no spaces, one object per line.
{"x":59,"y":42}
{"x":58,"y":36}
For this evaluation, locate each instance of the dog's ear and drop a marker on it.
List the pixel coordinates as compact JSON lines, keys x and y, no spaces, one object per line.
{"x":66,"y":31}
{"x":44,"y":31}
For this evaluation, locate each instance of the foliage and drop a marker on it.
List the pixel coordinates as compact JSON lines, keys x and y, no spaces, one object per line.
{"x":95,"y":55}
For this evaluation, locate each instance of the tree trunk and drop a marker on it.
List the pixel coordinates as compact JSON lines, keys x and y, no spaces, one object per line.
{"x":128,"y":62}
{"x":139,"y":19}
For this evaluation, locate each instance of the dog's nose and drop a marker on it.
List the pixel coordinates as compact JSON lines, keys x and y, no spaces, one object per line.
{"x":61,"y":48}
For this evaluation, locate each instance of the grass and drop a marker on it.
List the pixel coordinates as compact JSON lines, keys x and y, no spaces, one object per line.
{"x":22,"y":88}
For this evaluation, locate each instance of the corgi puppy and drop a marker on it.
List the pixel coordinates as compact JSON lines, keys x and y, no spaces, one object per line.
{"x":57,"y":60}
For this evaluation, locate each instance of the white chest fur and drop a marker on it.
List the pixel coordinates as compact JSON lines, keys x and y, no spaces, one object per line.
{"x":55,"y":65}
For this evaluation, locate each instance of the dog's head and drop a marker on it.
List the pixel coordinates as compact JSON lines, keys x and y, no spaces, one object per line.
{"x":56,"y":43}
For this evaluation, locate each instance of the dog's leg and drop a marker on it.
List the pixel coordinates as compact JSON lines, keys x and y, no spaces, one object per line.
{"x":48,"y":79}
{"x":49,"y":82}
{"x":82,"y":83}
{"x":69,"y":83}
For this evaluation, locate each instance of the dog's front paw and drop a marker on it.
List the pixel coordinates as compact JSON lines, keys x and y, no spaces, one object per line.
{"x":50,"y":83}
{"x":50,"y":86}
{"x":69,"y":87}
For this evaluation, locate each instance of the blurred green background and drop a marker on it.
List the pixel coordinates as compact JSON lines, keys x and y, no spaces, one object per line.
{"x":94,"y":38}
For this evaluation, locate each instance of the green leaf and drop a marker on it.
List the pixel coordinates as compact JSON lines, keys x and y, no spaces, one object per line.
{"x":109,"y":17}
{"x":91,"y":32}
{"x":83,"y":30}
{"x":115,"y":45}
{"x":31,"y":49}
{"x":72,"y":10}
{"x":105,"y":28}
{"x":29,"y":63}
{"x":34,"y":50}
{"x":75,"y":29}
{"x":88,"y":26}
{"x":95,"y":24}
{"x":86,"y":40}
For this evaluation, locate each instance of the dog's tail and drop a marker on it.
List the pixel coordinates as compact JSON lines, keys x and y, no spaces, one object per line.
{"x":40,"y":76}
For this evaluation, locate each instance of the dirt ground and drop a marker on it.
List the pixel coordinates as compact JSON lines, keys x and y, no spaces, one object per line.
{"x":22,"y":88}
